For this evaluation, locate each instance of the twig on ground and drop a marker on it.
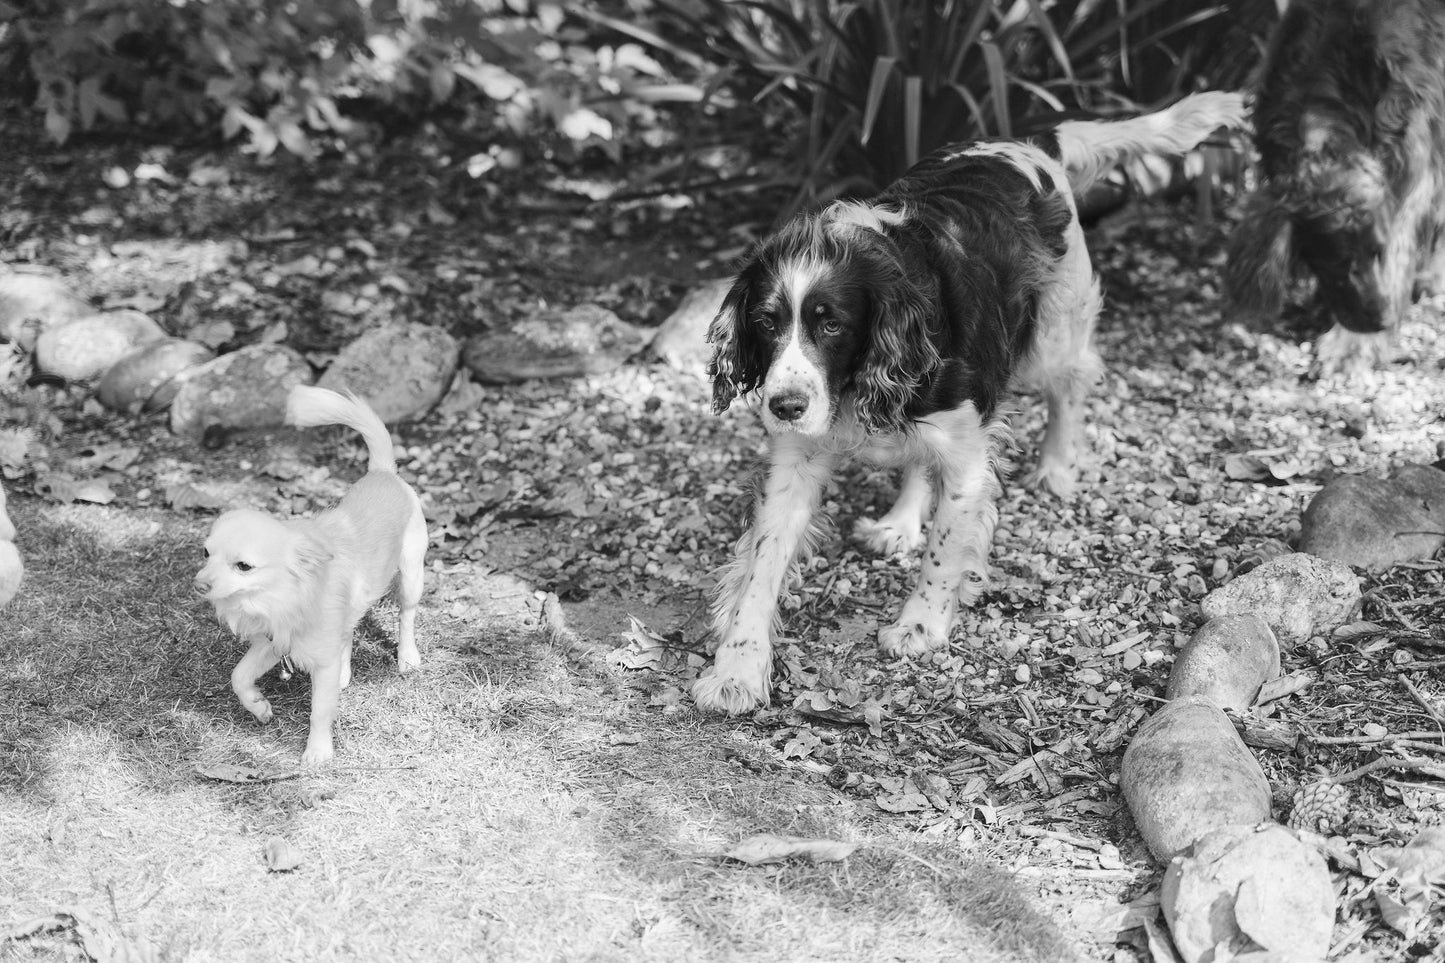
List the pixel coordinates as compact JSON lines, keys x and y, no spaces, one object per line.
{"x":1427,"y":766}
{"x":1420,"y":698}
{"x":1035,"y":832}
{"x":1367,"y":739}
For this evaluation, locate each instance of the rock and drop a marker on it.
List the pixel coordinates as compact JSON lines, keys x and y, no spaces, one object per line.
{"x":681,"y":340}
{"x":241,"y":390}
{"x":401,"y":370}
{"x":12,"y":568}
{"x":86,"y":347}
{"x":33,"y":303}
{"x":1300,"y":596}
{"x":1186,"y":773}
{"x":1374,"y":523}
{"x":583,"y":340}
{"x":1226,"y":662}
{"x":1249,"y":890}
{"x":145,"y":379}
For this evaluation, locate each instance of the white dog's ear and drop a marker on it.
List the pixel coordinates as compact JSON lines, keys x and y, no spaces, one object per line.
{"x":307,"y":557}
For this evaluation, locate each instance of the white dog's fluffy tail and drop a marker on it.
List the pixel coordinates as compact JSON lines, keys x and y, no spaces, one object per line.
{"x":307,"y":407}
{"x":1089,"y":148}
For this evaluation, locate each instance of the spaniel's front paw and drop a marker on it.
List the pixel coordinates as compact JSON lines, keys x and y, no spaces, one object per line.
{"x":886,"y":537}
{"x":318,"y":751}
{"x":258,"y":707}
{"x":1052,"y":476}
{"x":909,"y":638}
{"x":739,"y":679}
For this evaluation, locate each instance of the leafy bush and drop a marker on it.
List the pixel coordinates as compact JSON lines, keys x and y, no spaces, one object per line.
{"x":285,"y":73}
{"x":875,"y":84}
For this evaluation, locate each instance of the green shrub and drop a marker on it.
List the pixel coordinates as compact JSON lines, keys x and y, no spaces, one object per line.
{"x":875,"y":84}
{"x":283,"y":74}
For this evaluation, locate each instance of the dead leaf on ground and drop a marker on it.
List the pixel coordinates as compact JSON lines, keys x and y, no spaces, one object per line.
{"x":232,"y":772}
{"x":101,"y":940}
{"x":184,"y":496}
{"x":64,"y":488}
{"x":768,"y":848}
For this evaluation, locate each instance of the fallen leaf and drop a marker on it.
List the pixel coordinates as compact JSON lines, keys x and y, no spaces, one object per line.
{"x":64,"y":488}
{"x":768,"y":848}
{"x":231,"y":772}
{"x":281,"y":856}
{"x":802,"y":745}
{"x":184,"y":496}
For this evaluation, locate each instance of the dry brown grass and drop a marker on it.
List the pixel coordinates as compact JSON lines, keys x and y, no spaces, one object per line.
{"x":513,"y":801}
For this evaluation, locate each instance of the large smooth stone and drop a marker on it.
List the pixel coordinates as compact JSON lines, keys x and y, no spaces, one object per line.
{"x":1299,"y":595}
{"x":1226,"y":662}
{"x":145,"y":379}
{"x":583,"y":340}
{"x":681,"y":340}
{"x":1186,"y":773}
{"x":1250,"y":890}
{"x":401,"y":370}
{"x":242,"y":390}
{"x":33,"y":303}
{"x":1376,"y":523}
{"x":86,"y":348}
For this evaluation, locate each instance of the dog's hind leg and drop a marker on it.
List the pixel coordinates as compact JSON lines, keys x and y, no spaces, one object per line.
{"x":901,"y":530}
{"x":258,"y":660}
{"x":954,"y":567}
{"x":325,"y":708}
{"x":408,"y":591}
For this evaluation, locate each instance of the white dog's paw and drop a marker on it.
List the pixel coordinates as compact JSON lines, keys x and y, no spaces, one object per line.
{"x":886,"y":538}
{"x":909,"y":638}
{"x":318,"y":752}
{"x":408,"y":661}
{"x":259,"y":708}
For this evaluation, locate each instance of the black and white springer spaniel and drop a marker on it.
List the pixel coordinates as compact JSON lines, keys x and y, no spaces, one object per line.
{"x":1350,"y":126}
{"x":893,"y":330}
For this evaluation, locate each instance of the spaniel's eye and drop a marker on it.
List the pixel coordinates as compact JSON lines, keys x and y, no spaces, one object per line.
{"x":244,"y":566}
{"x":766,"y":321}
{"x":832,"y":326}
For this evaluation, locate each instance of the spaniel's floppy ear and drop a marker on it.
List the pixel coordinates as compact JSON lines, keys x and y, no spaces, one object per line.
{"x":902,"y":353}
{"x":739,"y":361}
{"x":1261,"y":256}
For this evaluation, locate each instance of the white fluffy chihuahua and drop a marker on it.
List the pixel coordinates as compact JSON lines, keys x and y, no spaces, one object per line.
{"x":295,"y":589}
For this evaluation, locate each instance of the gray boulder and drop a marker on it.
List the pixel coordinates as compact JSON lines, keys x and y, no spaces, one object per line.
{"x":33,"y":303}
{"x":1377,"y":523}
{"x":1298,"y":595}
{"x":401,"y":370}
{"x":85,"y":348}
{"x":1188,"y":772}
{"x":241,"y":390}
{"x":681,"y":340}
{"x":583,"y":340}
{"x":146,"y":379}
{"x":1226,"y":662}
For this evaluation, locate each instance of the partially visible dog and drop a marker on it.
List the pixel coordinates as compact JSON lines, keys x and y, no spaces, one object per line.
{"x":894,"y":330}
{"x":1350,"y":126}
{"x":295,"y":589}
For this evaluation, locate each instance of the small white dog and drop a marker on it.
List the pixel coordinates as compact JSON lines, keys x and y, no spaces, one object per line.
{"x":295,"y":589}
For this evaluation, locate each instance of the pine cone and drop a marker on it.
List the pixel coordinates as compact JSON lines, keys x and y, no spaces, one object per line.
{"x":1320,"y":807}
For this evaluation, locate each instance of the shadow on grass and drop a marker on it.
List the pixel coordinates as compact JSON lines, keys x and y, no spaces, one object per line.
{"x":107,"y":649}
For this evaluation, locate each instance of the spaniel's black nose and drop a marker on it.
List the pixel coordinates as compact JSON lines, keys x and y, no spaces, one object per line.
{"x":789,"y":407}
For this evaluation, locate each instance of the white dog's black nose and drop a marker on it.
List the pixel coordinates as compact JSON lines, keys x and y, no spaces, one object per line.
{"x":789,"y":406}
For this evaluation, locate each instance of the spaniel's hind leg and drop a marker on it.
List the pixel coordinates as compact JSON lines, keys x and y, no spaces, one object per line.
{"x":1064,"y":367}
{"x":901,"y":530}
{"x":745,"y":606}
{"x":954,"y":567}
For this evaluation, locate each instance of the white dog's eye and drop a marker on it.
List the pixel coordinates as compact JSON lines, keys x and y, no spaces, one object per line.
{"x":244,"y":566}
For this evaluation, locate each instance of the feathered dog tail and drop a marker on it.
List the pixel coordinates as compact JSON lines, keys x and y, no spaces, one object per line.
{"x":1089,"y":148}
{"x":308,"y":407}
